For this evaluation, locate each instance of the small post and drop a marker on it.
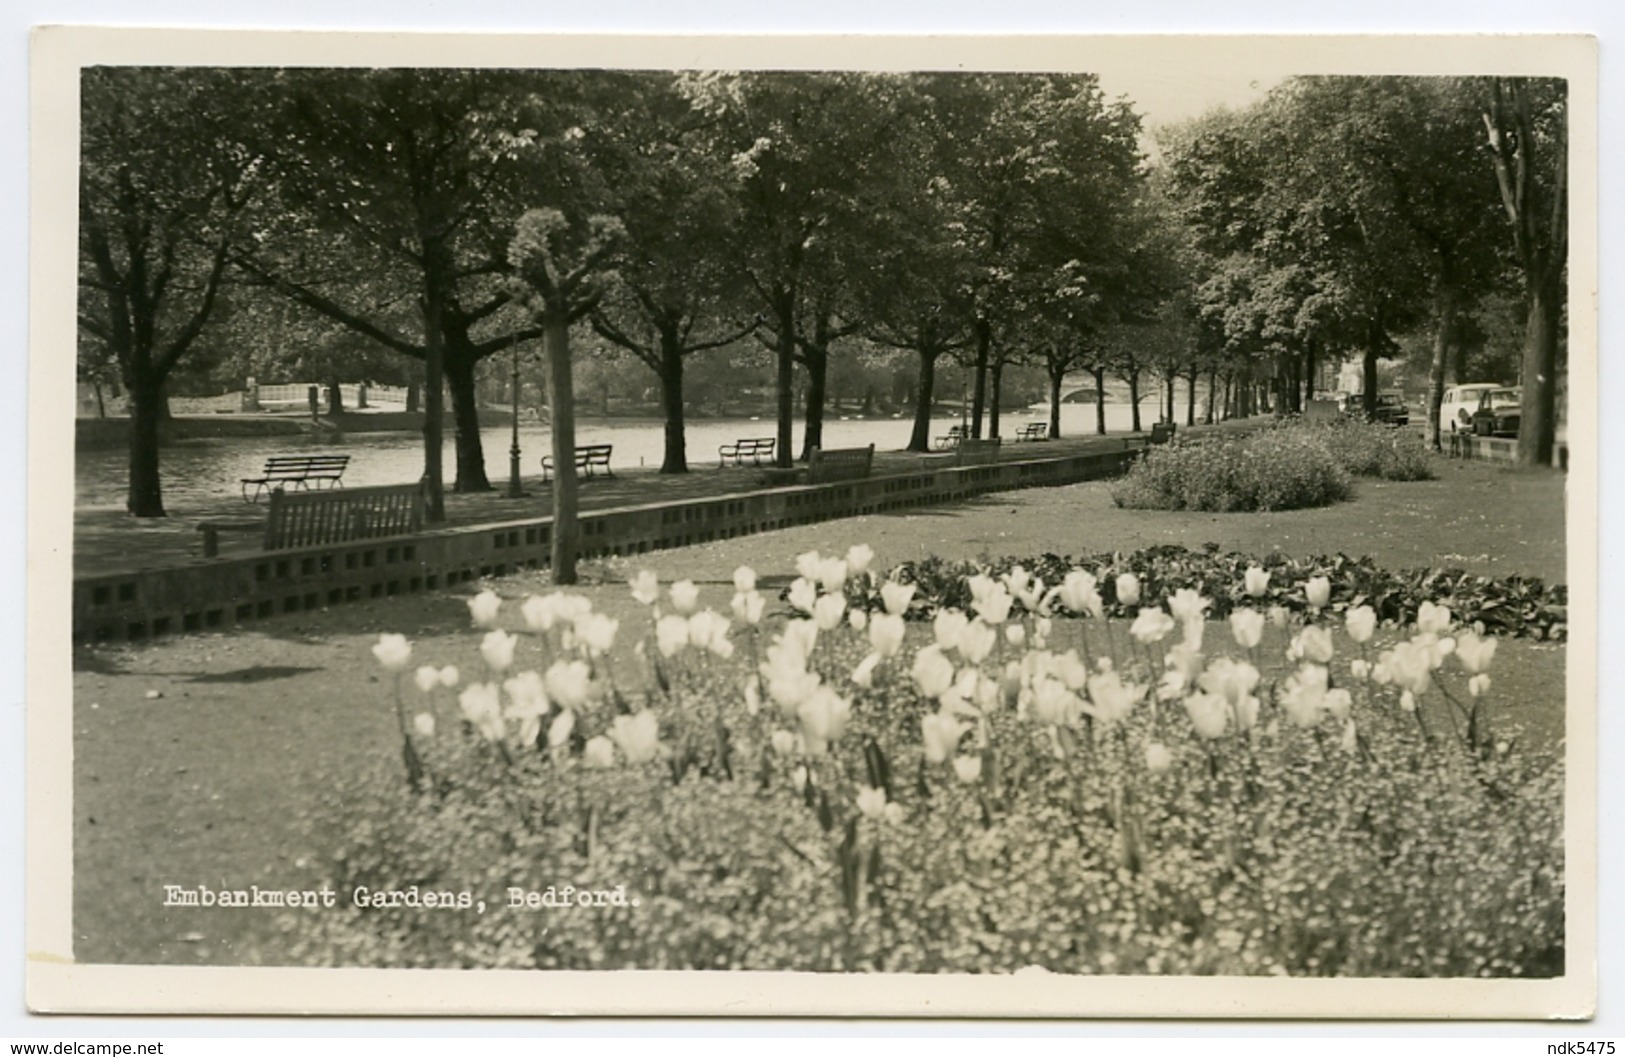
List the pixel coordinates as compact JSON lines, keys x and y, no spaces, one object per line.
{"x":211,"y":540}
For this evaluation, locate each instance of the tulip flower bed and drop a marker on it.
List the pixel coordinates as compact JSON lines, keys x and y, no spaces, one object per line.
{"x":844,"y":791}
{"x":1507,"y":605}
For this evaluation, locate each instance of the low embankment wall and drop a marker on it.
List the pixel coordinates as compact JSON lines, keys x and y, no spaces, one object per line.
{"x":215,"y":594}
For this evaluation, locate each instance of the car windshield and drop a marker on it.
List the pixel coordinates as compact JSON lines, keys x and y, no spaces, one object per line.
{"x":1388,"y":399}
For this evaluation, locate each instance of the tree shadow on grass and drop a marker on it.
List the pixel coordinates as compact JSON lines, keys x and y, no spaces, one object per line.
{"x":258,"y":673}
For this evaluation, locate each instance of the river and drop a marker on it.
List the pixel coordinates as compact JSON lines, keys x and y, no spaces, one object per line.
{"x":197,"y":473}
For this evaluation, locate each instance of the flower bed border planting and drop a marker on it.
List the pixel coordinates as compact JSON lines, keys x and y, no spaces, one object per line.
{"x":1019,"y":793}
{"x":1521,"y":606}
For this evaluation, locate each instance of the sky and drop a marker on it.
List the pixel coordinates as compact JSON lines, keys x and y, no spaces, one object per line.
{"x":1169,"y":96}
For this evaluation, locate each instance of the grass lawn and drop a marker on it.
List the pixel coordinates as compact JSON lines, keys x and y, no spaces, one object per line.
{"x":198,"y":759}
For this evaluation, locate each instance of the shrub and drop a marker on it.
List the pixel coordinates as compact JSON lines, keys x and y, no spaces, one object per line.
{"x":1273,"y":469}
{"x":1367,"y":449}
{"x":837,"y":799}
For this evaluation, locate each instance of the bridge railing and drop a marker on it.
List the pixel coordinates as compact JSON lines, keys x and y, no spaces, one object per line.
{"x":354,"y":394}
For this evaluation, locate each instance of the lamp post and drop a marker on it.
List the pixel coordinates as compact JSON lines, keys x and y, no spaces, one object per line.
{"x":514,"y":490}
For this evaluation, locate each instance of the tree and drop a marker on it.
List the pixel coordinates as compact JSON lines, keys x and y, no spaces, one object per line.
{"x":805,"y":149}
{"x":1047,"y":170}
{"x":401,"y":187}
{"x":164,"y":183}
{"x":670,"y":299}
{"x":1526,"y":120}
{"x":1401,"y":155}
{"x":559,"y":266}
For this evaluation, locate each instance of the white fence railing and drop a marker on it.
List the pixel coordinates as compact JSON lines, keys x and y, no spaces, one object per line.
{"x":298,"y":394}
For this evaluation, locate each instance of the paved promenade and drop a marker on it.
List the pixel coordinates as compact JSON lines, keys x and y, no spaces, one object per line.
{"x":110,"y":541}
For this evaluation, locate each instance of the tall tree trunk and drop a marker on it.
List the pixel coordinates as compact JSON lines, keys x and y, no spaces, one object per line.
{"x":995,"y":392}
{"x":1443,"y":332}
{"x":566,"y":543}
{"x":920,"y":438}
{"x":1537,"y":424}
{"x":412,"y":391}
{"x":459,"y":368}
{"x":434,"y":403}
{"x":1190,"y":396}
{"x":785,"y":312}
{"x":1133,"y":380}
{"x":335,"y":398}
{"x":984,"y":347}
{"x":1056,"y":377}
{"x":812,"y":430}
{"x":1214,"y":412}
{"x":671,"y":402}
{"x":1368,"y":379}
{"x":1099,"y":375}
{"x":1169,"y":379}
{"x":146,"y":496}
{"x":1311,"y":367}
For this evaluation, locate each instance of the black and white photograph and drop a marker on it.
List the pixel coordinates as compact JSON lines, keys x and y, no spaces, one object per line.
{"x":876,"y":526}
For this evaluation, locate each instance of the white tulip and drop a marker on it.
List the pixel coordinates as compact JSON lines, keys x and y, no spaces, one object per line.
{"x":684,"y":596}
{"x":483,"y":609}
{"x":599,"y":752}
{"x":497,"y":650}
{"x":393,"y":652}
{"x":896,"y":597}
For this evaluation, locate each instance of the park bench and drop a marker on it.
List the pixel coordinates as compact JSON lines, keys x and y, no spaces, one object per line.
{"x":301,"y":471}
{"x":975,"y":452}
{"x":310,"y":519}
{"x":588,"y":458}
{"x":1033,"y":431}
{"x":1162,"y":432}
{"x":839,"y":464}
{"x":753,"y":448}
{"x":950,"y":440}
{"x":314,"y":518}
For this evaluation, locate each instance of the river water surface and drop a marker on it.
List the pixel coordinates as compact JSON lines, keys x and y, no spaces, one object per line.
{"x":200,"y":472}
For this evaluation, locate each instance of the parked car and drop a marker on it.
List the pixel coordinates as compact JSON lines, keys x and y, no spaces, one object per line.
{"x":1390,"y":411}
{"x":1498,"y":413}
{"x":1460,"y":402}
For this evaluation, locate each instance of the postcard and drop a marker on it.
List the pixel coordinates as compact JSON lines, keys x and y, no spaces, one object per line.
{"x":937,"y":526}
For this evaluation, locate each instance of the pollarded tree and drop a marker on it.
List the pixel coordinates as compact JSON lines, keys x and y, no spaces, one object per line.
{"x":164,"y":184}
{"x":558,"y":267}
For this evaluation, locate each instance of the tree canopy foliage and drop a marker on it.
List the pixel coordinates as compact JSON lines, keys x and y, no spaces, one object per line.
{"x":968,"y":222}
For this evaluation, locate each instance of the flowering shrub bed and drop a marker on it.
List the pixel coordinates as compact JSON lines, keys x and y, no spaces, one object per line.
{"x":1368,"y":449}
{"x":1287,"y":466}
{"x":1520,"y":606}
{"x":835,"y":791}
{"x":1273,"y":469}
